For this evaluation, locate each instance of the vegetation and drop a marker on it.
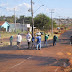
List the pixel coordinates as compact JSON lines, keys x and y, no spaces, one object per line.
{"x":27,"y":20}
{"x":43,"y":22}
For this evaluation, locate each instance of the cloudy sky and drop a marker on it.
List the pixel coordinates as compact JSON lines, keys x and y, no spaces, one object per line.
{"x":62,"y":8}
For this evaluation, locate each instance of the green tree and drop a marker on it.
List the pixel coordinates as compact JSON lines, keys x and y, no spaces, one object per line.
{"x":27,"y":20}
{"x":43,"y":22}
{"x":9,"y":19}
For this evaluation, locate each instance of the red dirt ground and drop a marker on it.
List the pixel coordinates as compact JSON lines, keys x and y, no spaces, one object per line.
{"x":48,"y":59}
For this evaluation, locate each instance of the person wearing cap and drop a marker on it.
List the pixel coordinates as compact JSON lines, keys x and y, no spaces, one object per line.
{"x":38,"y":41}
{"x":28,"y":37}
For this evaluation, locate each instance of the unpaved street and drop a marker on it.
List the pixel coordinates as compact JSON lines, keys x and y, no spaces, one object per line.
{"x":48,"y":59}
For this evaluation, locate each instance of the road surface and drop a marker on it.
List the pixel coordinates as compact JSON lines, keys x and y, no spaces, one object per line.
{"x":48,"y":59}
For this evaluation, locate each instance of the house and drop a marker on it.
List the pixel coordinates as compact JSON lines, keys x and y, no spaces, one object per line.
{"x":4,"y":25}
{"x":9,"y":27}
{"x":27,"y":27}
{"x":22,"y":27}
{"x":12,"y":27}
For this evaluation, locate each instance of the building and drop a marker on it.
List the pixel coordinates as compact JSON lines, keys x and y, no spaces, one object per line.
{"x":10,"y":27}
{"x":22,"y":27}
{"x":4,"y":26}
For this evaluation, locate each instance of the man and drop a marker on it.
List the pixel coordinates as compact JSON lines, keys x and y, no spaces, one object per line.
{"x":46,"y":38}
{"x":54,"y":40}
{"x":28,"y":37}
{"x":11,"y":40}
{"x":38,"y":41}
{"x":33,"y":42}
{"x":19,"y":39}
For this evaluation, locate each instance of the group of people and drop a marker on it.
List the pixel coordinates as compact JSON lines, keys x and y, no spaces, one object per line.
{"x":31,"y":40}
{"x":38,"y":42}
{"x":19,"y":39}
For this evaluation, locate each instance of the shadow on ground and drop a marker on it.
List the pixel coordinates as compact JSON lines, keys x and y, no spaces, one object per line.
{"x":44,"y":61}
{"x":23,"y":47}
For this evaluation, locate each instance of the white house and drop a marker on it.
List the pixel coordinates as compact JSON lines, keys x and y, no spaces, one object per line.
{"x":22,"y":27}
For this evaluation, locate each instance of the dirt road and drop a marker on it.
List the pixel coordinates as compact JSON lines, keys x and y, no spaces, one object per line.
{"x":48,"y":59}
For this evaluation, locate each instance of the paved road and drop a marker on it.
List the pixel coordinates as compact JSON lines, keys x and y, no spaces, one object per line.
{"x":48,"y":59}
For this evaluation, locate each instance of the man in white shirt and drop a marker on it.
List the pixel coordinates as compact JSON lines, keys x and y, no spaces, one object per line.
{"x":19,"y":39}
{"x":28,"y":37}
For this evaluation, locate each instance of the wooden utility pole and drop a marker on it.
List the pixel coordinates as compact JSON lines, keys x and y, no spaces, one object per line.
{"x":52,"y":21}
{"x":15,"y":19}
{"x":32,"y":19}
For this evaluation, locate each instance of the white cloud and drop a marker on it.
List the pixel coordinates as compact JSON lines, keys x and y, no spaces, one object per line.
{"x":9,"y":9}
{"x":4,"y":4}
{"x":12,"y":9}
{"x":27,"y":5}
{"x":20,"y":5}
{"x":17,"y":8}
{"x":24,"y":4}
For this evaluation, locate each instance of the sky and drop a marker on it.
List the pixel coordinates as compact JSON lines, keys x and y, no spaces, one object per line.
{"x":60,"y":8}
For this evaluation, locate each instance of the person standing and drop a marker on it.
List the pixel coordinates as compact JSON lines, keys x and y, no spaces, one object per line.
{"x":38,"y":41}
{"x":33,"y":42}
{"x":46,"y":39}
{"x":19,"y":39}
{"x":54,"y":39}
{"x":28,"y":37}
{"x":11,"y":40}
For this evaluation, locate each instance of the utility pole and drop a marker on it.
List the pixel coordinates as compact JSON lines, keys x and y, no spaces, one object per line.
{"x":23,"y":24}
{"x":15,"y":19}
{"x":52,"y":21}
{"x":59,"y":21}
{"x":32,"y":18}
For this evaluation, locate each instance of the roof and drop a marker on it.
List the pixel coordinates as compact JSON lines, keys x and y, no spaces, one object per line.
{"x":2,"y":22}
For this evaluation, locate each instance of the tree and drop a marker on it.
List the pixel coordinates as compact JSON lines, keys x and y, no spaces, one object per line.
{"x":41,"y":21}
{"x":9,"y":19}
{"x":27,"y":20}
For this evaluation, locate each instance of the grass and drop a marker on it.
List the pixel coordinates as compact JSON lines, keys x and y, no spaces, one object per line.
{"x":7,"y":35}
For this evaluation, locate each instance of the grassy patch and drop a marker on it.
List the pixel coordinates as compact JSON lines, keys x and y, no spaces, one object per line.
{"x":6,"y":34}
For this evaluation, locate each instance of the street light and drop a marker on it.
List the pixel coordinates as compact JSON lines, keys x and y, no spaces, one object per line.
{"x":39,"y":7}
{"x":32,"y":17}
